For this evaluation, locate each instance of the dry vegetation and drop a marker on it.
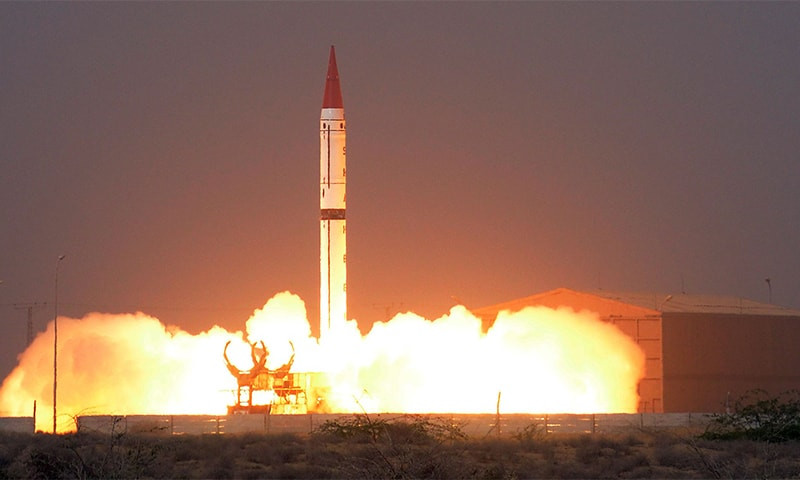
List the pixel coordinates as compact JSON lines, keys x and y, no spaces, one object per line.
{"x":759,"y":440}
{"x":412,"y":448}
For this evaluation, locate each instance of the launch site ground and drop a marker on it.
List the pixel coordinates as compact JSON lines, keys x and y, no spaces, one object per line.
{"x":382,"y":446}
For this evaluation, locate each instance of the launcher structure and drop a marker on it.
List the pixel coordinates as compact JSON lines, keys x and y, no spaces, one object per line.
{"x":280,"y":387}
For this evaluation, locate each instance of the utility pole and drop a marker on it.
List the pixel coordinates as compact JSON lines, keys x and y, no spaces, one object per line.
{"x":55,"y":348}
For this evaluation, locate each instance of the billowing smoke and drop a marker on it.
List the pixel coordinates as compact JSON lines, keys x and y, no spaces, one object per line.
{"x":118,"y":364}
{"x":542,"y":360}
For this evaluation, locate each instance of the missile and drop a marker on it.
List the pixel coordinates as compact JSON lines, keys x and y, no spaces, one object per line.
{"x":332,"y":228}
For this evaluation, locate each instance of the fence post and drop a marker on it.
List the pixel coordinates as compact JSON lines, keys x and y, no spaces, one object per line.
{"x":546,"y":423}
{"x":497,"y":418}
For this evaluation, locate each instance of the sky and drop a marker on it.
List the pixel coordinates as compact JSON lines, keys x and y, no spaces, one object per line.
{"x":495,"y":150}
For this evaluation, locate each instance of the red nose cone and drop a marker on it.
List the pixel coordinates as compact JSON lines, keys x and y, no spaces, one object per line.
{"x":333,"y":94}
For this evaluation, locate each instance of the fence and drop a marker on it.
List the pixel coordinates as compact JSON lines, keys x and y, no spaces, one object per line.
{"x":474,"y":425}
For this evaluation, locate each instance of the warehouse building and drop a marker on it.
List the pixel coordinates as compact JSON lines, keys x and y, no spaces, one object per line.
{"x":702,"y":351}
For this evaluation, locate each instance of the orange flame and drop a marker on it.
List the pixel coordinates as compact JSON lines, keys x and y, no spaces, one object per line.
{"x":542,"y":360}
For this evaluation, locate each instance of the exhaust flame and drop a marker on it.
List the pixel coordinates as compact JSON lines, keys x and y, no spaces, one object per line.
{"x":542,"y":360}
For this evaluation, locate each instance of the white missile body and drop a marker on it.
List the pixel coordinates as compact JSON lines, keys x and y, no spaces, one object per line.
{"x":333,"y":230}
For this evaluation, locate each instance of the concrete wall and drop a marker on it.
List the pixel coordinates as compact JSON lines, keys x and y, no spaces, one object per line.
{"x":646,"y":332}
{"x":477,"y":425}
{"x":16,"y":424}
{"x":708,"y":356}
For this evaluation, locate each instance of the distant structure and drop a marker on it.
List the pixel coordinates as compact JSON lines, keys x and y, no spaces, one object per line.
{"x":30,"y":307}
{"x":700,"y":349}
{"x":332,"y":228}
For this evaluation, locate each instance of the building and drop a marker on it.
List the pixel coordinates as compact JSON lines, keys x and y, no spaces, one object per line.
{"x":701,"y":350}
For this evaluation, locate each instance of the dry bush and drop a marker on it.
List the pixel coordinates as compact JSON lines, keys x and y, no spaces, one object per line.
{"x":613,"y":459}
{"x":83,"y":456}
{"x":12,"y":444}
{"x":675,"y":455}
{"x":757,"y":415}
{"x":532,"y":435}
{"x":747,"y":458}
{"x":274,"y":450}
{"x":403,"y":447}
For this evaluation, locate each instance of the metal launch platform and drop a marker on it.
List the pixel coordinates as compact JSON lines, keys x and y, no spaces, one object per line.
{"x":263,"y":390}
{"x":270,"y":394}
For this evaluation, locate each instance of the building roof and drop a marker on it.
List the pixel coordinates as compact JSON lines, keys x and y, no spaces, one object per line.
{"x":608,"y":303}
{"x":684,"y":303}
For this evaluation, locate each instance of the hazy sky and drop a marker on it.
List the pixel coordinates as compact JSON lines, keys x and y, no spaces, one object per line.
{"x":495,"y":150}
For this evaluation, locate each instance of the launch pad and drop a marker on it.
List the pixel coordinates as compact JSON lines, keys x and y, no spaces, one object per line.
{"x":262,"y":390}
{"x":286,"y":395}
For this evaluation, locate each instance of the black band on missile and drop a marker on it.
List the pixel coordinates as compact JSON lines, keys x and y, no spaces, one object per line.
{"x":332,"y":213}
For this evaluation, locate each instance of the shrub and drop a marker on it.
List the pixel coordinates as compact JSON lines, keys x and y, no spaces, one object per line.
{"x":759,"y":416}
{"x":532,"y":434}
{"x":414,"y":429}
{"x":410,"y":446}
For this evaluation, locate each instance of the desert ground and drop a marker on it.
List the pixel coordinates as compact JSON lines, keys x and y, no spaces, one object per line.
{"x":408,"y":447}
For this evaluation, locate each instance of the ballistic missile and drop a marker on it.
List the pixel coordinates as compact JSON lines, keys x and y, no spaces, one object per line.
{"x":332,"y":228}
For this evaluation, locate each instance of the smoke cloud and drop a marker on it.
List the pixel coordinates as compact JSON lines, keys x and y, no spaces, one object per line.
{"x":542,"y":360}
